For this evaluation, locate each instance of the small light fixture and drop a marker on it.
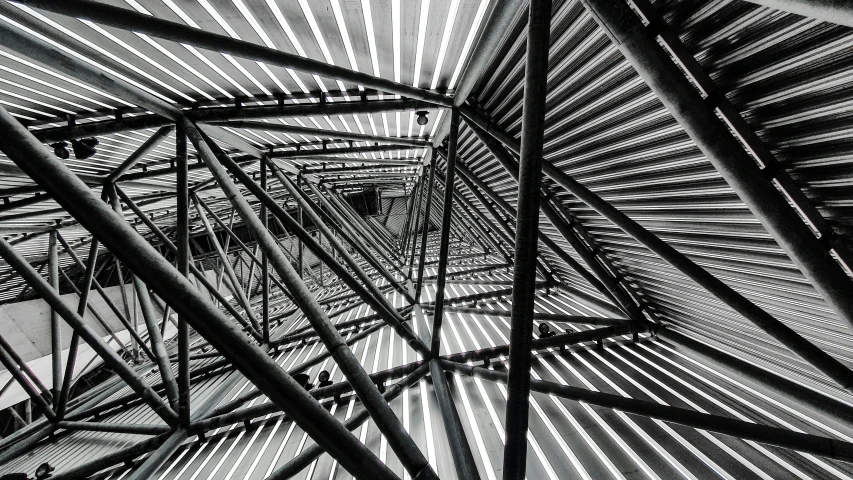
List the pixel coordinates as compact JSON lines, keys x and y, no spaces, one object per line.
{"x":43,"y":471}
{"x":84,"y":148}
{"x":422,"y":117}
{"x":59,"y":150}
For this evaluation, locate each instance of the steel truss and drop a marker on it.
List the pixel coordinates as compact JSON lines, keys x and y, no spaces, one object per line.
{"x":358,"y":254}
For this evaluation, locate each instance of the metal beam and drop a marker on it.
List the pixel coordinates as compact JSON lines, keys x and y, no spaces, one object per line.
{"x":425,"y":228}
{"x":236,"y":286}
{"x":140,"y":152}
{"x":526,"y":233}
{"x":244,"y":112}
{"x":55,"y":324}
{"x":463,"y":457}
{"x":198,"y":274}
{"x":295,"y":130}
{"x":740,"y":171}
{"x":54,"y":300}
{"x":444,"y":242}
{"x":82,"y":305}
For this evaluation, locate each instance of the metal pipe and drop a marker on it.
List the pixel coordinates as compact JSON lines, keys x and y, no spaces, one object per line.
{"x":421,"y":186}
{"x":198,"y":274}
{"x":354,"y":239}
{"x":118,"y":313}
{"x":600,"y":278}
{"x":55,"y":325}
{"x":425,"y":232}
{"x":226,"y":265}
{"x":140,"y":152}
{"x":118,"y":237}
{"x":265,"y":272}
{"x":295,"y":130}
{"x":161,"y":357}
{"x":311,"y":453}
{"x":386,"y":421}
{"x":444,"y":242}
{"x":526,"y":233}
{"x":82,"y":305}
{"x":542,"y":317}
{"x":214,"y":114}
{"x":726,"y":153}
{"x":463,"y":457}
{"x":182,"y":264}
{"x":32,"y":277}
{"x":8,"y":362}
{"x":132,"y":428}
{"x":495,"y":31}
{"x":361,"y":284}
{"x":779,"y":437}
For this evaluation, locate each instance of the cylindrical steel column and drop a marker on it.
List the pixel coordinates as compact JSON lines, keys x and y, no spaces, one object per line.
{"x":444,"y":245}
{"x":526,"y":243}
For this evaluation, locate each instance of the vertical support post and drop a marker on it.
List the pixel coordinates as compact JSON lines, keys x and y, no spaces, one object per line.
{"x":425,"y":228}
{"x":136,"y":343}
{"x":421,"y":186}
{"x":82,"y":305}
{"x":300,"y":246}
{"x":526,"y":233}
{"x":463,"y":457}
{"x":236,"y":286}
{"x":444,"y":246}
{"x":55,"y":326}
{"x":160,"y":355}
{"x":265,"y":265}
{"x":183,"y":265}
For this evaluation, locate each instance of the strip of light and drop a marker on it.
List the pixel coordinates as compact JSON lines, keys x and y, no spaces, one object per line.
{"x":59,"y":76}
{"x":100,"y":50}
{"x":469,"y":41}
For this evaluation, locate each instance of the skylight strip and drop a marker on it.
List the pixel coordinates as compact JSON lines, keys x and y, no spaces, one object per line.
{"x":419,"y":53}
{"x":33,"y":110}
{"x":37,"y":102}
{"x":445,"y":41}
{"x":44,"y":94}
{"x":189,"y":21}
{"x":103,"y":52}
{"x":23,"y":117}
{"x":396,"y":41}
{"x":469,"y":41}
{"x":145,"y":58}
{"x":185,"y":65}
{"x":342,"y":26}
{"x":273,"y":6}
{"x":59,"y":76}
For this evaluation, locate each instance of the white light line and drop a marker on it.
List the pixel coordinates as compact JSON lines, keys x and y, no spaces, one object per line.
{"x":33,"y":100}
{"x":100,"y":50}
{"x":147,"y":59}
{"x":445,"y":41}
{"x":469,"y":40}
{"x":59,"y":76}
{"x":44,"y":94}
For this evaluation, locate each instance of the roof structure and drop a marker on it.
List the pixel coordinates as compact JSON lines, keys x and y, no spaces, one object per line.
{"x":426,"y":239}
